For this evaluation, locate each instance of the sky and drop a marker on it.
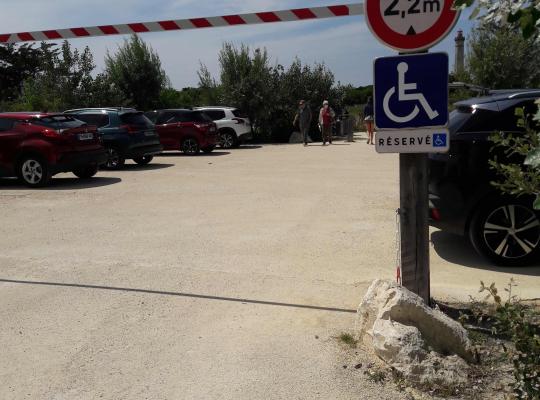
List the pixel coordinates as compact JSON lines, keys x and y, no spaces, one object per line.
{"x":345,"y":45}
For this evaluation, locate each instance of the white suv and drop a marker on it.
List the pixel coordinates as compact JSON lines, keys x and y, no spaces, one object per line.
{"x":234,"y":127}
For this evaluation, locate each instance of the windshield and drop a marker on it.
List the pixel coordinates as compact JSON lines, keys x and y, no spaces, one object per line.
{"x":199,"y":116}
{"x":152,"y":116}
{"x":58,"y":122}
{"x":458,"y":118}
{"x":136,"y":119}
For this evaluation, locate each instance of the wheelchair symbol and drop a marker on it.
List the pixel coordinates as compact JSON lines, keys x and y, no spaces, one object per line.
{"x":403,"y":87}
{"x":439,"y":140}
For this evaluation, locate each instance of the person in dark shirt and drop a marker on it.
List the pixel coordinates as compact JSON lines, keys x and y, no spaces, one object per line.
{"x":303,"y":119}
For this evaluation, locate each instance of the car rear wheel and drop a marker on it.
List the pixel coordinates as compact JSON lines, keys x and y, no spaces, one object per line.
{"x":114,"y":160}
{"x":190,"y":146}
{"x":228,"y":139}
{"x":507,"y":232}
{"x":86,"y":172}
{"x":34,"y":172}
{"x":143,"y":160}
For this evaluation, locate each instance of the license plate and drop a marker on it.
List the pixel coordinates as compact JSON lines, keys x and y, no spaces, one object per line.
{"x":86,"y":136}
{"x":149,"y":133}
{"x":212,"y":129}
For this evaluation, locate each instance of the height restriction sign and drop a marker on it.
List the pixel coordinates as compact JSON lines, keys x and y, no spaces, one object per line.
{"x":410,"y":25}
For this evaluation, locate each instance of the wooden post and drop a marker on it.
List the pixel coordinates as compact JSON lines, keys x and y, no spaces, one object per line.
{"x":414,"y":206}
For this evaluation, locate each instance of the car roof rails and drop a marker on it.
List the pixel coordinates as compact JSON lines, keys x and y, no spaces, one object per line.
{"x":101,"y":108}
{"x":525,"y":94}
{"x":469,"y":86}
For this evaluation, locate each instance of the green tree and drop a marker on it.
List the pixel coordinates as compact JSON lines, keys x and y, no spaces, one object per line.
{"x":523,"y":178}
{"x":136,"y":71}
{"x":523,"y":14}
{"x":18,"y":64}
{"x":65,"y":80}
{"x":245,"y":78}
{"x":187,"y":97}
{"x":210,"y":91}
{"x":269,"y":94}
{"x":499,"y":57}
{"x":520,"y":178}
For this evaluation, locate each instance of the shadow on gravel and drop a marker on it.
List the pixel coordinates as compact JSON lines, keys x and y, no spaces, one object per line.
{"x":180,"y":154}
{"x":149,"y":167}
{"x":458,"y":250}
{"x":177,"y":294}
{"x":248,"y":147}
{"x":61,"y":184}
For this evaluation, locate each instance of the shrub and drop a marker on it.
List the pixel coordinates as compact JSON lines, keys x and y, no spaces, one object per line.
{"x":520,"y":324}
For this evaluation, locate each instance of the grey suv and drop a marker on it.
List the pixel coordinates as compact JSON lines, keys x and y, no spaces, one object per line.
{"x":125,"y":133}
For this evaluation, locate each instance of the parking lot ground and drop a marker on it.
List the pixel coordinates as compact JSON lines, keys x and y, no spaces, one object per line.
{"x":223,"y":276}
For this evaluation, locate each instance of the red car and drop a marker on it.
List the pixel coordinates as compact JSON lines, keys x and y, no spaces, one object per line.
{"x":185,"y":130}
{"x":35,"y":146}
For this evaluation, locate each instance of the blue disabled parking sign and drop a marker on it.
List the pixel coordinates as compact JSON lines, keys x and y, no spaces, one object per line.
{"x":412,"y":92}
{"x":439,"y":139}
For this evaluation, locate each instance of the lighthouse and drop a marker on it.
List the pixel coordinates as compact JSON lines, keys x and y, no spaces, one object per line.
{"x":459,"y":63}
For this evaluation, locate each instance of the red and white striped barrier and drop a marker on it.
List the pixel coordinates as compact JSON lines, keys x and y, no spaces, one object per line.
{"x":298,"y":14}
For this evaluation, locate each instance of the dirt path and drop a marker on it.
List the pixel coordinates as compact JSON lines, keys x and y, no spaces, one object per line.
{"x":215,"y":277}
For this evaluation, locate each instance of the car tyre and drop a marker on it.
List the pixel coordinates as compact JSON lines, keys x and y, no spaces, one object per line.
{"x":143,"y":160}
{"x":114,"y":160}
{"x":209,"y":149}
{"x":228,"y":139}
{"x":507,"y":232}
{"x":34,"y":172}
{"x":86,"y":172}
{"x":190,"y":146}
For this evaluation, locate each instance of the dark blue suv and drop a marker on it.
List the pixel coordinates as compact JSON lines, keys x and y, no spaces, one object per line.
{"x":505,"y":229}
{"x":125,"y":133}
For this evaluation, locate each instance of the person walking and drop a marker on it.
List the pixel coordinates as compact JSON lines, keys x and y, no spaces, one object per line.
{"x":369,"y":119}
{"x":326,"y":118}
{"x":303,"y":119}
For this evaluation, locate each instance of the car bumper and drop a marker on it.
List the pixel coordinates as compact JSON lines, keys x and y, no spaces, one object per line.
{"x":143,"y":151}
{"x":209,"y":141}
{"x":69,"y":161}
{"x":448,"y":212}
{"x":245,"y":137}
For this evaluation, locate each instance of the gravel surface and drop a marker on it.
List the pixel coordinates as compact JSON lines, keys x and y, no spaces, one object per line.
{"x":225,"y":276}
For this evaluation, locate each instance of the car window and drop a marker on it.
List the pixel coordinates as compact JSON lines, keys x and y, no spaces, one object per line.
{"x":458,"y":118}
{"x":6,"y":124}
{"x":152,"y":116}
{"x":58,"y":122}
{"x":239,"y":114}
{"x":190,"y":116}
{"x":182,"y":117}
{"x":195,"y":116}
{"x":136,"y":119}
{"x":99,"y":120}
{"x":166,"y":117}
{"x":490,"y":121}
{"x":215,"y":115}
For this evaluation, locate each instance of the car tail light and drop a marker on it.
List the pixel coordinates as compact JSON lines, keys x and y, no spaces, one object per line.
{"x":51,"y":133}
{"x":202,"y":127}
{"x":131,"y":130}
{"x":435,"y":214}
{"x":239,"y":121}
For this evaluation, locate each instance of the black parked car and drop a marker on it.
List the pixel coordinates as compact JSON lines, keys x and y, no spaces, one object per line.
{"x":504,"y":229}
{"x":125,"y":133}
